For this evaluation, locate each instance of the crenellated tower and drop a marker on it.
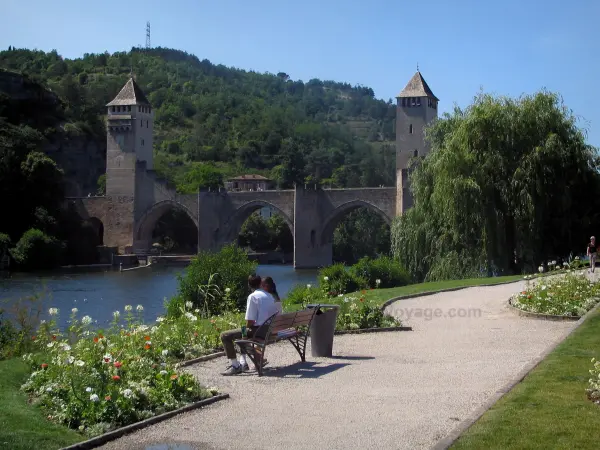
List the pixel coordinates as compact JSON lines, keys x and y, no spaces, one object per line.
{"x":416,"y":107}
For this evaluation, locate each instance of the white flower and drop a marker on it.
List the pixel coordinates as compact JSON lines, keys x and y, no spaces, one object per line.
{"x":48,"y":389}
{"x":86,"y":320}
{"x":160,"y":319}
{"x":163,"y":372}
{"x":127,"y":393}
{"x":165,"y":352}
{"x":139,"y":308}
{"x":79,"y":363}
{"x":148,"y":342}
{"x":540,"y":269}
{"x":309,"y":286}
{"x":42,"y":322}
{"x":325,"y":278}
{"x":117,"y":314}
{"x":108,"y":358}
{"x":70,"y":360}
{"x":65,"y":347}
{"x":189,"y":305}
{"x":197,"y":311}
{"x":190,"y":316}
{"x":128,"y":307}
{"x":74,"y":310}
{"x":50,"y":344}
{"x":340,"y":295}
{"x":53,"y":311}
{"x":94,"y":397}
{"x":377,"y":281}
{"x":227,"y":290}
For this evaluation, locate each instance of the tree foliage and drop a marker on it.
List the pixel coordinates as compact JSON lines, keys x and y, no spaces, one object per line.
{"x":508,"y":184}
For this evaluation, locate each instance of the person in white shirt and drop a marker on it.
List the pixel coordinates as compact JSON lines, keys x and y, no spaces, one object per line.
{"x":260,"y":306}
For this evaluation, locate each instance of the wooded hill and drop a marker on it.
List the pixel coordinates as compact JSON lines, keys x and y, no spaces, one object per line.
{"x":214,"y":121}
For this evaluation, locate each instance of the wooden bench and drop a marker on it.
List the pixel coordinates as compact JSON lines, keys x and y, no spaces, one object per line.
{"x":293,"y":327}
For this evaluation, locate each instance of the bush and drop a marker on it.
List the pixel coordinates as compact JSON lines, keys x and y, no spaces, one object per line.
{"x":383,"y":272}
{"x":208,"y":277}
{"x":568,"y":295}
{"x":593,"y":390}
{"x":358,"y":313}
{"x":16,"y":327}
{"x":337,"y":279}
{"x":37,"y":250}
{"x":303,"y":294}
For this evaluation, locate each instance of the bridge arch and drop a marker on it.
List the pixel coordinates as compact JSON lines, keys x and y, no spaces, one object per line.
{"x":336,"y":216}
{"x":234,"y":224}
{"x":146,"y":224}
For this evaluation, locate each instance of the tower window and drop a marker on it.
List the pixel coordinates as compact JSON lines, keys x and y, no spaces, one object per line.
{"x":413,"y":101}
{"x":142,"y":142}
{"x":129,"y":108}
{"x":113,"y":109}
{"x":410,"y":129}
{"x":416,"y":153}
{"x":147,"y":123}
{"x":418,"y":101}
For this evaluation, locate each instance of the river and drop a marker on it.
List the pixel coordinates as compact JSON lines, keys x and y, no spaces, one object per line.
{"x":99,"y":293}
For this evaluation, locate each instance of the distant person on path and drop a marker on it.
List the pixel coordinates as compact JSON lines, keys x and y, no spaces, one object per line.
{"x":261,"y":305}
{"x":269,"y":286}
{"x":591,"y":252}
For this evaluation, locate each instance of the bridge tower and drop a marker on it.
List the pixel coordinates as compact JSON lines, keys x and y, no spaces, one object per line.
{"x":416,"y":107}
{"x":128,"y":155}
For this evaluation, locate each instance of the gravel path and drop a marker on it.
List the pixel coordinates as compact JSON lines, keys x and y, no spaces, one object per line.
{"x":383,"y":390}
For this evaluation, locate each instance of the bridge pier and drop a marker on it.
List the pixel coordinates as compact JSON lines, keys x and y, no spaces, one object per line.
{"x":309,"y":250}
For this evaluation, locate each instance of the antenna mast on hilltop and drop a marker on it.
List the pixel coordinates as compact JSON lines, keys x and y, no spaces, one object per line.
{"x":147,"y":35}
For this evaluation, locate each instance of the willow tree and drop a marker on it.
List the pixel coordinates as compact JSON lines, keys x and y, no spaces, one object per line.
{"x":508,"y":184}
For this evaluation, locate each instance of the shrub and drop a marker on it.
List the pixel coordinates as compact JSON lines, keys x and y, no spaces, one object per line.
{"x":388,"y":271}
{"x":303,"y":294}
{"x":568,"y":295}
{"x":16,"y":327}
{"x":358,"y":313}
{"x":208,"y":277}
{"x":37,"y":250}
{"x":337,"y":279}
{"x":593,"y":391}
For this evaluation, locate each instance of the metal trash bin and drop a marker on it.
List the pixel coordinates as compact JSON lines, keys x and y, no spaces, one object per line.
{"x":322,"y":329}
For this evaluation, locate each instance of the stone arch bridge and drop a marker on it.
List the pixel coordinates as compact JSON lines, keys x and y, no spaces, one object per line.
{"x":311,"y":213}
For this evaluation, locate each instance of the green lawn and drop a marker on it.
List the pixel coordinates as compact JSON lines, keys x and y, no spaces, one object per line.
{"x":24,"y":426}
{"x":383,"y":295}
{"x":549,"y":409}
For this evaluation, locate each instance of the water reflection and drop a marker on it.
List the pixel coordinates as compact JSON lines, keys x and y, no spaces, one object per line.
{"x":98,"y":294}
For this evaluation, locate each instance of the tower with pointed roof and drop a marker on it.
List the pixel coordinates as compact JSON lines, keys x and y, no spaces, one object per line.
{"x":128,"y":155}
{"x":416,"y":107}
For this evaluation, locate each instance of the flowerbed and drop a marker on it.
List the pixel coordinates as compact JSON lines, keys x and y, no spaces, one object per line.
{"x":356,"y":310}
{"x":564,"y":295}
{"x":97,"y":380}
{"x":593,"y":391}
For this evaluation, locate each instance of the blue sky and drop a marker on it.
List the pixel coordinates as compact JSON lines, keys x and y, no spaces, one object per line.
{"x":506,"y":47}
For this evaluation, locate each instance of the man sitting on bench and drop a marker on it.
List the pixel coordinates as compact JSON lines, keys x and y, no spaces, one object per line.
{"x":261,"y":305}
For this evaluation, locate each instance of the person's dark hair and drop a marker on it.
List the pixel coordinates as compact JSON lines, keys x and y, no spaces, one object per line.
{"x":271,"y":287}
{"x":254,"y":281}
